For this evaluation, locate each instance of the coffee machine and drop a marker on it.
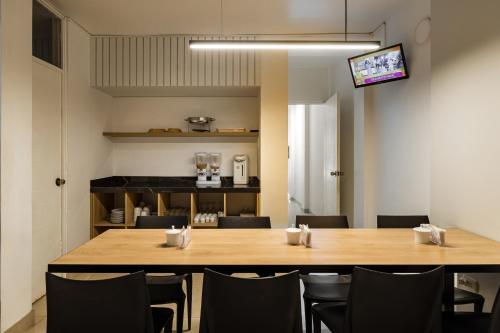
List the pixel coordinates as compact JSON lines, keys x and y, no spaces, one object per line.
{"x":208,"y":169}
{"x":240,"y":170}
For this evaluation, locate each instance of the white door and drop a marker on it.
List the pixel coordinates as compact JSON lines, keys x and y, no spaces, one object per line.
{"x":324,"y":157}
{"x":47,"y":167}
{"x":331,"y":189}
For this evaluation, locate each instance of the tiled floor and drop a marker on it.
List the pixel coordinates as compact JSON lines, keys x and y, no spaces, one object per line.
{"x":41,"y":309}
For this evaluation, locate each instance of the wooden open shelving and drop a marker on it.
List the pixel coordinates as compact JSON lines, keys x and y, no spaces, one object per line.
{"x":232,"y":204}
{"x":182,"y":137}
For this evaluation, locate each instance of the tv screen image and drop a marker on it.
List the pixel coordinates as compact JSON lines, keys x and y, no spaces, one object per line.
{"x":380,"y":66}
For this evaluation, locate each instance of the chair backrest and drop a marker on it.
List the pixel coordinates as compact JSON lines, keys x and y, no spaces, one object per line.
{"x":113,"y":305}
{"x":265,"y":305}
{"x":330,"y":222}
{"x":394,"y":303}
{"x":238,"y":222}
{"x":495,"y":315}
{"x":401,"y":221}
{"x":161,"y":222}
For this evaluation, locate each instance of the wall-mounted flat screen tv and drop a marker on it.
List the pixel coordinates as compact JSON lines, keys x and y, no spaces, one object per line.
{"x":384,"y":65}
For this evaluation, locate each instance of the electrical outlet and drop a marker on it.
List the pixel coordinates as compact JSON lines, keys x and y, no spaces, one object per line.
{"x":468,"y":283}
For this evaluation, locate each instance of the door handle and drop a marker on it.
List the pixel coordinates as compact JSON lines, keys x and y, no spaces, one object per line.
{"x":60,"y":181}
{"x":337,"y":173}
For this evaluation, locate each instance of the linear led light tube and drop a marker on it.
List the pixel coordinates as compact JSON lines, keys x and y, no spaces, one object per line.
{"x":282,"y":45}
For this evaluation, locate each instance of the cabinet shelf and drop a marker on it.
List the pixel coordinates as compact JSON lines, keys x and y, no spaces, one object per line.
{"x":109,"y":224}
{"x":182,"y":137}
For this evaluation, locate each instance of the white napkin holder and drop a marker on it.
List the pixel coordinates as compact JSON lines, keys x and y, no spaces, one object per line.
{"x":306,"y":235}
{"x":428,"y":233}
{"x":185,"y":238}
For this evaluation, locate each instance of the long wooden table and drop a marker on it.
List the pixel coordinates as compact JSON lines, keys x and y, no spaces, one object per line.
{"x":244,"y":250}
{"x":251,"y":250}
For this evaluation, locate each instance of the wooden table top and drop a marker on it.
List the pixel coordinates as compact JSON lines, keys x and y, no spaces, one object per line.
{"x":333,"y":250}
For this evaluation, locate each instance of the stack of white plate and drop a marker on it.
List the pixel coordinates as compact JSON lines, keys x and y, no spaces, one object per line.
{"x":117,"y":216}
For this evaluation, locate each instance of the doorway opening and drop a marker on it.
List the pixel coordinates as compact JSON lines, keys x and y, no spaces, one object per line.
{"x":313,"y":159}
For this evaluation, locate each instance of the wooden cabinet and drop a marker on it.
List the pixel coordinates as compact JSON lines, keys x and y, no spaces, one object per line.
{"x":165,"y":203}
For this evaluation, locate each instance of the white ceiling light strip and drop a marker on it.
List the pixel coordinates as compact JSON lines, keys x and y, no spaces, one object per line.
{"x":281,"y":45}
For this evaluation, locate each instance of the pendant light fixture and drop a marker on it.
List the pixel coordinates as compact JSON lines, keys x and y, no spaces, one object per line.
{"x":283,"y":44}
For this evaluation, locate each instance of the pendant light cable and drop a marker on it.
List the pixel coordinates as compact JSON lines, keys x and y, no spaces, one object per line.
{"x":221,"y":27}
{"x":345,"y":21}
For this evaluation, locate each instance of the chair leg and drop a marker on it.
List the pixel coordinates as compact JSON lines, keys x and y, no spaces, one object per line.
{"x":308,"y":315}
{"x":180,"y":315}
{"x":316,"y":323}
{"x":189,"y":287}
{"x":478,"y":306}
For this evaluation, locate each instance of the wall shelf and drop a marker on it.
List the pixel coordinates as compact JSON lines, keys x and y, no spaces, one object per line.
{"x":181,"y":137}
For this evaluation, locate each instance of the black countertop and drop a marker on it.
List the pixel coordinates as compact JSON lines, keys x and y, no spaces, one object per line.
{"x":168,"y":184}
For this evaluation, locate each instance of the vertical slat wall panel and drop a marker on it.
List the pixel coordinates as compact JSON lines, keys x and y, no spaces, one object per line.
{"x":159,"y":63}
{"x":174,"y":74}
{"x":162,"y":61}
{"x":133,"y":61}
{"x":112,"y":62}
{"x":167,"y":62}
{"x":194,"y":65}
{"x":187,"y":62}
{"x":229,"y":67}
{"x":140,"y":61}
{"x":105,"y":62}
{"x":119,"y":61}
{"x":146,"y":62}
{"x":209,"y":66}
{"x":99,"y":54}
{"x":201,"y":66}
{"x":126,"y":61}
{"x":251,"y":67}
{"x":222,"y":68}
{"x":180,"y":60}
{"x":153,"y":58}
{"x":93,"y":62}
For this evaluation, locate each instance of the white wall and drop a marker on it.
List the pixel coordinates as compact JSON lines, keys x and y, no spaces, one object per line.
{"x":16,"y":162}
{"x":400,"y":120}
{"x":465,"y":117}
{"x":88,"y":152}
{"x":340,"y":82}
{"x":176,"y":159}
{"x":307,"y":85}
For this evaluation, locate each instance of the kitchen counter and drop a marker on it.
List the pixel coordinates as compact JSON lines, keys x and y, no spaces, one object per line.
{"x":116,"y":184}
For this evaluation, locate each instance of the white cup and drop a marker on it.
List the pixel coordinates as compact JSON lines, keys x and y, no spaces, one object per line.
{"x":173,"y":237}
{"x":422,"y":235}
{"x":293,"y":236}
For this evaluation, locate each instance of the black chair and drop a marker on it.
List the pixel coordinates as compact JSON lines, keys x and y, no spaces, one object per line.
{"x":161,"y":222}
{"x":382,"y":302}
{"x":327,"y":222}
{"x":250,"y":222}
{"x":407,"y":221}
{"x":466,"y":322}
{"x":401,"y":221}
{"x":101,"y":306}
{"x":168,"y":289}
{"x":264,"y":305}
{"x":238,"y":222}
{"x":323,"y":288}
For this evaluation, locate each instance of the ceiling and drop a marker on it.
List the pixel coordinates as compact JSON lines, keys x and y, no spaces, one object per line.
{"x":149,"y":17}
